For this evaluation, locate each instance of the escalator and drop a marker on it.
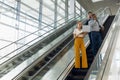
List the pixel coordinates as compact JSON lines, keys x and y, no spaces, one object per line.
{"x":81,"y":73}
{"x":41,"y":68}
{"x":49,"y":60}
{"x":38,"y":71}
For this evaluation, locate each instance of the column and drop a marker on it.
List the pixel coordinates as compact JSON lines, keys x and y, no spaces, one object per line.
{"x":72,"y":7}
{"x":66,"y":10}
{"x":40,"y":13}
{"x":17,"y":23}
{"x":18,"y":10}
{"x":55,"y":14}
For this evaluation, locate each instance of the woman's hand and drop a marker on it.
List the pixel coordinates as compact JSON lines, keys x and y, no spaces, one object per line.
{"x":75,"y":36}
{"x":81,"y":35}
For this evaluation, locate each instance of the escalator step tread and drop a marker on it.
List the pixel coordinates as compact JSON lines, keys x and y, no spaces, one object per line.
{"x":75,"y":78}
{"x":36,"y":68}
{"x":31,"y":73}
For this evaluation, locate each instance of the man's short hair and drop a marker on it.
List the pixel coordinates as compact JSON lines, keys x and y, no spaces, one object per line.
{"x":89,"y":12}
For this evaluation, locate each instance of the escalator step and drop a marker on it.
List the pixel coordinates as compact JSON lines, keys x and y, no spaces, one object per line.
{"x":78,"y":78}
{"x":24,"y":78}
{"x":38,"y":77}
{"x":43,"y":63}
{"x":27,"y":55}
{"x":69,"y":77}
{"x":79,"y":72}
{"x":31,"y":73}
{"x":54,"y":51}
{"x":90,"y":60}
{"x":59,"y":48}
{"x":90,"y":55}
{"x":36,"y":68}
{"x":72,"y":77}
{"x":47,"y":58}
{"x":51,"y":54}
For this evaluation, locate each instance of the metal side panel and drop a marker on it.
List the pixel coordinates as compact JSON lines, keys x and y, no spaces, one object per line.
{"x":27,"y":64}
{"x":62,"y":67}
{"x":57,"y":70}
{"x":112,"y":70}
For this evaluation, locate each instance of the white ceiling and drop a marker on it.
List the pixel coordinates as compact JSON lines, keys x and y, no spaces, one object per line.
{"x":90,"y":6}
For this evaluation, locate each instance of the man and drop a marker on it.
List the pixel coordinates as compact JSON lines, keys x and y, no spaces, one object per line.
{"x":86,"y":23}
{"x":95,"y":34}
{"x":89,"y":17}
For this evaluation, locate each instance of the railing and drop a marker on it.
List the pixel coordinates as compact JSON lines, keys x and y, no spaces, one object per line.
{"x":99,"y":10}
{"x":98,"y":66}
{"x":31,"y":41}
{"x":106,"y":11}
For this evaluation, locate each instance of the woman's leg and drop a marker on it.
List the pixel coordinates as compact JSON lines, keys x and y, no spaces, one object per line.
{"x":84,"y":56}
{"x":77,"y":54}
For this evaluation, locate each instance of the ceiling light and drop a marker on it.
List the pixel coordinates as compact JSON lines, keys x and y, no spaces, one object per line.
{"x":96,"y":1}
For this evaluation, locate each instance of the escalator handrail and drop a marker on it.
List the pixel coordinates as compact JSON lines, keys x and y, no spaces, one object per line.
{"x":99,"y":10}
{"x":105,"y":9}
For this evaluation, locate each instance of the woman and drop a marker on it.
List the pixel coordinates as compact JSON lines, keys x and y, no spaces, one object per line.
{"x":95,"y":34}
{"x":79,"y":45}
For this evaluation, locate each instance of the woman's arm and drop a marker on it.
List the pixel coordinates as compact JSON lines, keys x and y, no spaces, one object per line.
{"x":74,"y":35}
{"x":82,"y":34}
